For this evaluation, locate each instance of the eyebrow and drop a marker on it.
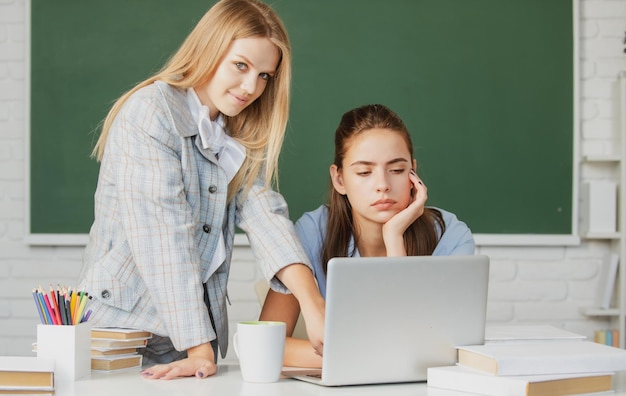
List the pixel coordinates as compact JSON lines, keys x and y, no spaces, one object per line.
{"x":393,"y":161}
{"x":248,"y":61}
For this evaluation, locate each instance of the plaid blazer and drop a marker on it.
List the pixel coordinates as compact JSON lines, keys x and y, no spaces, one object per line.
{"x":160,"y":202}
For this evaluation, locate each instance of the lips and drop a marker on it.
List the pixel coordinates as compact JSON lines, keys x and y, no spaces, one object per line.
{"x":385,"y":203}
{"x":242,"y":100}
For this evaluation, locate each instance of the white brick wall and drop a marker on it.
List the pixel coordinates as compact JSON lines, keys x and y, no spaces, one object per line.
{"x":528,"y":284}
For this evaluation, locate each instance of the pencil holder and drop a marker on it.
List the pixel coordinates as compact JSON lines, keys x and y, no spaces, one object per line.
{"x":69,"y":346}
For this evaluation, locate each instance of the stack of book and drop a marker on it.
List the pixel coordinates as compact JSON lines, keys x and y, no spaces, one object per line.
{"x":114,"y":348}
{"x":26,"y":375}
{"x":607,"y":337}
{"x":561,"y":363}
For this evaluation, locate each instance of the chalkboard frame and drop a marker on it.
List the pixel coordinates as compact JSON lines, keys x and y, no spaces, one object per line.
{"x":568,"y":238}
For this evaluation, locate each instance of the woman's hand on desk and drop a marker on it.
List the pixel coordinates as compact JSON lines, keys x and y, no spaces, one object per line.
{"x":200,"y":362}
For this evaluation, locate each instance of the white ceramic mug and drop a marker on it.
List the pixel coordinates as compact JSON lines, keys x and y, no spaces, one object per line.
{"x":260,"y":346}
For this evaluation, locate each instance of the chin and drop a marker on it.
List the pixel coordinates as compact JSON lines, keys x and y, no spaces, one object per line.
{"x":230,"y":112}
{"x":382,"y":219}
{"x":231,"y":109}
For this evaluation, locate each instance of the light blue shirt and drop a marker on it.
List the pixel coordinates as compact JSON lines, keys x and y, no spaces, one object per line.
{"x":311,"y":229}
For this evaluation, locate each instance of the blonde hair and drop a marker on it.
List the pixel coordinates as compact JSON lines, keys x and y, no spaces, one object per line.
{"x":261,"y":126}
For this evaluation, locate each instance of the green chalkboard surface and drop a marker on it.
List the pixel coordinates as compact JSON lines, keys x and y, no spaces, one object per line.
{"x":485,"y":86}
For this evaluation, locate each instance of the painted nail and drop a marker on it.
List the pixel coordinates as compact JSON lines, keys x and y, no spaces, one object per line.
{"x":200,"y":374}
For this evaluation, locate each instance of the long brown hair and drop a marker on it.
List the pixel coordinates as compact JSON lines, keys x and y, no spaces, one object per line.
{"x":420,"y":238}
{"x":261,"y":126}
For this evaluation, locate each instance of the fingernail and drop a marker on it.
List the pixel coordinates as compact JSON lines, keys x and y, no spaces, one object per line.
{"x":200,"y":374}
{"x":146,"y":373}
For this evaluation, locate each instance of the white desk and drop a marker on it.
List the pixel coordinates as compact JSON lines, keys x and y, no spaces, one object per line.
{"x":228,"y":382}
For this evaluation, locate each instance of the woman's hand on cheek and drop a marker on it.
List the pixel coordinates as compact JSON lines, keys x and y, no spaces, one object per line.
{"x":420,"y":196}
{"x":394,"y":228}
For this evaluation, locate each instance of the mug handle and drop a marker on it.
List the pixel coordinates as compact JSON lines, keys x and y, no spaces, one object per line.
{"x":235,"y":344}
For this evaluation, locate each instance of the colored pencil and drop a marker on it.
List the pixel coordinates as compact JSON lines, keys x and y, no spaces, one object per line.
{"x":38,"y":305}
{"x":43,"y":307}
{"x":62,"y":306}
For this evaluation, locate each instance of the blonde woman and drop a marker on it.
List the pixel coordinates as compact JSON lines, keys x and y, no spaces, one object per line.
{"x":187,"y":155}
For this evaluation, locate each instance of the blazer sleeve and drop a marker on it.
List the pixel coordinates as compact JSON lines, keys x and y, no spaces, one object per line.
{"x":157,"y":218}
{"x":311,"y":231}
{"x":264,"y":216}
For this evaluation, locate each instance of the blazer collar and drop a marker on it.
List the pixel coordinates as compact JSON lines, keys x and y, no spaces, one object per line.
{"x":182,"y":119}
{"x":176,"y":100}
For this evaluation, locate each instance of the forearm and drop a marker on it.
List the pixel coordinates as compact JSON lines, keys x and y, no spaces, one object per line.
{"x":394,"y":244}
{"x":299,"y":353}
{"x":300,"y":281}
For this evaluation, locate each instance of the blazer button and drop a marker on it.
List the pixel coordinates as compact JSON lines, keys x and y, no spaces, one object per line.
{"x":212,"y":189}
{"x":206,"y":228}
{"x":105,"y":294}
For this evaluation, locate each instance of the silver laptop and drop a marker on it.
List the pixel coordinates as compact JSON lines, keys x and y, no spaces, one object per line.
{"x":390,"y":318}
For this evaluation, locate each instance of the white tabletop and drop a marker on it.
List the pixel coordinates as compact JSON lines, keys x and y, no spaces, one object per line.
{"x":228,"y":381}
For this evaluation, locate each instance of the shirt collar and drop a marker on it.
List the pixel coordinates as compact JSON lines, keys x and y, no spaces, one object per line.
{"x":229,"y":152}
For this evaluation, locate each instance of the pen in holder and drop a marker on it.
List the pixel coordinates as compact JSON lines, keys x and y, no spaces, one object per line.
{"x":64,"y":333}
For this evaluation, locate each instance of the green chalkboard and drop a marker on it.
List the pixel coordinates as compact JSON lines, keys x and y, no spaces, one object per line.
{"x":485,"y":86}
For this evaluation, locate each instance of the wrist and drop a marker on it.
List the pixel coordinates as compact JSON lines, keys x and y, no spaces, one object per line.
{"x":204,"y":351}
{"x":394,"y":244}
{"x":395,"y":247}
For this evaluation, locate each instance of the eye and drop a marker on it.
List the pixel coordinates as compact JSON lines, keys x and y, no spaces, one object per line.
{"x":397,"y":171}
{"x":241,"y":66}
{"x":265,"y":76}
{"x":363,"y":173}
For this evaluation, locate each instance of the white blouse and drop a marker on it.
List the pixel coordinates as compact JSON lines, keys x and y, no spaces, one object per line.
{"x":229,"y":152}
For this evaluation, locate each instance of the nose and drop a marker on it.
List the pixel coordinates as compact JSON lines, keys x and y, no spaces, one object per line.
{"x":382,"y":183}
{"x":249,"y":84}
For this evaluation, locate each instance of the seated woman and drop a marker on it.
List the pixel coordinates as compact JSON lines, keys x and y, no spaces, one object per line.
{"x":376,"y":208}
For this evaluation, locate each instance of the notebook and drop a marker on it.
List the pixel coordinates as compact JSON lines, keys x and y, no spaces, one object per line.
{"x":390,"y":318}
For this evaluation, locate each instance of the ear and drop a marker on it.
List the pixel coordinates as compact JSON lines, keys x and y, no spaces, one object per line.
{"x":337,"y":178}
{"x":414,"y":165}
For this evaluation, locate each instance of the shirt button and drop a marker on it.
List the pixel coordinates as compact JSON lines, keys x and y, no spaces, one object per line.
{"x":206,"y":228}
{"x":105,"y":294}
{"x":212,"y":189}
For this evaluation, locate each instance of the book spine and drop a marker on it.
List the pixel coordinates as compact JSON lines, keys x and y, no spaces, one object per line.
{"x":607,"y":337}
